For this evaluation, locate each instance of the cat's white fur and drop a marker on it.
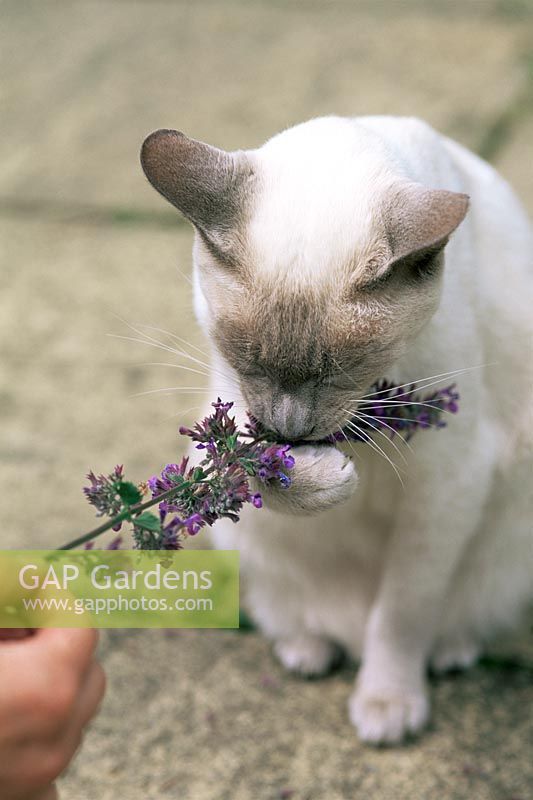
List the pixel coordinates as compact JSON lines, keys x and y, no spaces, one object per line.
{"x":400,"y":577}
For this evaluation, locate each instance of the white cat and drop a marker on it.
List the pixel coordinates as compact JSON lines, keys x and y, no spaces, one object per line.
{"x":319,"y":268}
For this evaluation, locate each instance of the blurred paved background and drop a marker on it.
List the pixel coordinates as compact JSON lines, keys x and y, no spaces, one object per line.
{"x":199,"y":715}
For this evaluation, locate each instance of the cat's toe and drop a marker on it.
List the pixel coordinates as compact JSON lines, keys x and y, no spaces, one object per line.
{"x":322,"y":477}
{"x":309,"y":656}
{"x":388,"y":717}
{"x":454,"y":654}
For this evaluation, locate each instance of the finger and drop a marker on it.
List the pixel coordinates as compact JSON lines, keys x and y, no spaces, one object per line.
{"x":91,"y":695}
{"x":13,"y":634}
{"x":87,"y":706}
{"x":73,"y":645}
{"x":50,"y":793}
{"x":42,"y":660}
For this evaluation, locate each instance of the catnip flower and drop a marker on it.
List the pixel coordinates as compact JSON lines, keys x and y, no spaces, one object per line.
{"x":400,"y":410}
{"x":190,"y":497}
{"x":102,"y":492}
{"x":409,"y":410}
{"x":274,"y":461}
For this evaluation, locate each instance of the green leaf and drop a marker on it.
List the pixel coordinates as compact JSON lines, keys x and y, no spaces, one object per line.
{"x":198,"y":474}
{"x":247,"y":466}
{"x":245,"y":622}
{"x":174,"y":478}
{"x":148,"y":522}
{"x":129,"y":493}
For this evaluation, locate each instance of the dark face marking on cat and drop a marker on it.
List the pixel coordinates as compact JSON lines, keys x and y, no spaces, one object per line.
{"x":301,"y":358}
{"x":304,"y":356}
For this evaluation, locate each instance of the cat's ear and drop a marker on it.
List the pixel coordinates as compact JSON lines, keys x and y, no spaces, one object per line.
{"x":421,"y":220}
{"x":206,"y":184}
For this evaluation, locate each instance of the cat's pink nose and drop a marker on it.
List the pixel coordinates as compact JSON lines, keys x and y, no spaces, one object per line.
{"x":294,"y":433}
{"x":292,"y":416}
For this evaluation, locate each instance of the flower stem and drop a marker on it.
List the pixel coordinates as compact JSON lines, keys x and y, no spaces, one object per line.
{"x":125,"y":514}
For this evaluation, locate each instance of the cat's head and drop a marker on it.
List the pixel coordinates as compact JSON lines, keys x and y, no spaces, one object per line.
{"x":317,"y":262}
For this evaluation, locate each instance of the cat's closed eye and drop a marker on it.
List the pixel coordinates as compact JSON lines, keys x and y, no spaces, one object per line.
{"x":340,"y":382}
{"x":253,"y":372}
{"x":414,"y":267}
{"x":422,"y":266}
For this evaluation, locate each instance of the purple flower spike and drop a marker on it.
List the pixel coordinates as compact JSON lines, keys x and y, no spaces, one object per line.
{"x":115,"y":544}
{"x":171,"y":476}
{"x":274,"y":460}
{"x":102,"y":492}
{"x":193,"y":524}
{"x":406,"y":412}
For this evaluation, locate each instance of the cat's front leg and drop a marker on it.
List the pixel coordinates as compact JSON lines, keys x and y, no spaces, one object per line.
{"x":438,"y":516}
{"x":322,"y":477}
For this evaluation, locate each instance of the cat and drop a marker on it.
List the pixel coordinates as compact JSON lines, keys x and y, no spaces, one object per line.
{"x":342,"y":251}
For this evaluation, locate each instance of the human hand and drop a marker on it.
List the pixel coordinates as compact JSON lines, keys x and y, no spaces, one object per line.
{"x":50,"y":687}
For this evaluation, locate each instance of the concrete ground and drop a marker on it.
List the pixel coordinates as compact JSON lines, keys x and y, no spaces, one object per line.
{"x":84,"y":240}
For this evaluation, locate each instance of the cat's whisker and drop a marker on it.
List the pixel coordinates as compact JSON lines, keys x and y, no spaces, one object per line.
{"x":153,"y":342}
{"x":369,"y":403}
{"x":168,"y":349}
{"x":176,"y":337}
{"x":188,"y":356}
{"x":349,"y":442}
{"x":181,"y":413}
{"x":368,"y":439}
{"x":379,"y":421}
{"x":209,"y":367}
{"x":437,"y":378}
{"x":174,"y":366}
{"x":165,"y":348}
{"x":136,"y":330}
{"x":183,"y":275}
{"x":372,"y":395}
{"x":441,"y":378}
{"x":175,"y":350}
{"x":172,"y":389}
{"x":381,"y":433}
{"x":147,"y":338}
{"x":343,"y":372}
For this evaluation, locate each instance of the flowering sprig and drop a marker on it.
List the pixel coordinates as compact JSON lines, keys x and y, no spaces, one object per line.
{"x":190,"y":497}
{"x":400,"y":410}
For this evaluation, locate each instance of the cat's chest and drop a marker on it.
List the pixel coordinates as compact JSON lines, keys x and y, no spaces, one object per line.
{"x":350,"y":537}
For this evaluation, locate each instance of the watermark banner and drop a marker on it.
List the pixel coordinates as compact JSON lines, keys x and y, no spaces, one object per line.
{"x":119,"y":589}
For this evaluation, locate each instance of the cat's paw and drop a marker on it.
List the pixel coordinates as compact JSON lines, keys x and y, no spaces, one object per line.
{"x":322,"y":477}
{"x":307,"y":655}
{"x":389,"y":715}
{"x":454,"y":654}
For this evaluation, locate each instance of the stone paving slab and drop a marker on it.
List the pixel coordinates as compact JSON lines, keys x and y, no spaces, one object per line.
{"x":195,"y":715}
{"x":66,"y":388}
{"x":209,"y":715}
{"x":199,"y":715}
{"x":515,"y":163}
{"x":83,"y":81}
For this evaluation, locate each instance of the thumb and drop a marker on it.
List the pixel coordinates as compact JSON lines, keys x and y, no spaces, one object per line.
{"x":50,"y":793}
{"x":10,"y":634}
